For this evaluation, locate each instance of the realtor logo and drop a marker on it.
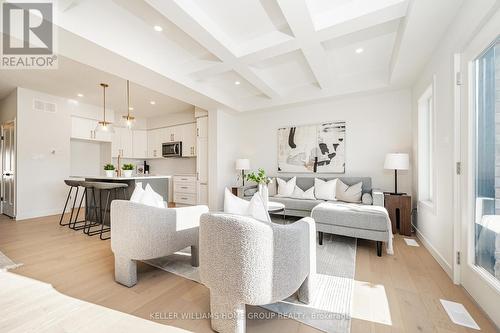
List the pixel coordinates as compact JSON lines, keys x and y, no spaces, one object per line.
{"x":28,"y":36}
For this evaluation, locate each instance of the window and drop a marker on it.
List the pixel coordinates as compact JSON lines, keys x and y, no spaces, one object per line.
{"x":487,"y":159}
{"x":426,"y":146}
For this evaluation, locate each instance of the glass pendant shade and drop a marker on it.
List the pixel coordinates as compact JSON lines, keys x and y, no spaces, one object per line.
{"x":104,"y":126}
{"x":128,"y":119}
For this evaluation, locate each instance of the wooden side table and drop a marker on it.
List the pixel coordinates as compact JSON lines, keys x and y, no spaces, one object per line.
{"x":399,"y":209}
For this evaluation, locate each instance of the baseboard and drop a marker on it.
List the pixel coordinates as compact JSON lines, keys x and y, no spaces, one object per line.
{"x":32,"y":215}
{"x":447,"y":267}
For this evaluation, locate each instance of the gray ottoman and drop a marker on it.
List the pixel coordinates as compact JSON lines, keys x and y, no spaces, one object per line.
{"x":353,"y":220}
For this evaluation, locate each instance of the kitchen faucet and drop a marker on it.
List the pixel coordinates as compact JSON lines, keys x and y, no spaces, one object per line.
{"x":119,"y":169}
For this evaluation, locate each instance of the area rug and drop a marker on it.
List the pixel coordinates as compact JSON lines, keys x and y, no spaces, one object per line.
{"x":28,"y":305}
{"x":6,"y":263}
{"x":330,"y":308}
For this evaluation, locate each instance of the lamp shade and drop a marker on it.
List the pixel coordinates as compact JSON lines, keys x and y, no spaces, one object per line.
{"x":397,"y":161}
{"x":242,"y":164}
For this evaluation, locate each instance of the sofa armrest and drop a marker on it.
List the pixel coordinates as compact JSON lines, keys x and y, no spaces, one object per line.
{"x":378,"y":198}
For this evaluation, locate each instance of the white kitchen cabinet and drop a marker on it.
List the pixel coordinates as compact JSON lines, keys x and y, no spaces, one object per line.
{"x":185,"y":190}
{"x":188,"y":138}
{"x":122,"y":143}
{"x":83,"y":128}
{"x":140,"y":144}
{"x":154,"y":139}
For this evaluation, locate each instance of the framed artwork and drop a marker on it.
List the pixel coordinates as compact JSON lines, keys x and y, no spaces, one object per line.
{"x":312,"y":148}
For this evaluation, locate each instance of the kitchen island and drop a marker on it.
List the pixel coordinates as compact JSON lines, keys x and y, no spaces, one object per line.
{"x":159,"y":183}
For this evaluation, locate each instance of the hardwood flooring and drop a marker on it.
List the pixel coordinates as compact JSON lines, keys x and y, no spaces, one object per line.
{"x":397,"y":293}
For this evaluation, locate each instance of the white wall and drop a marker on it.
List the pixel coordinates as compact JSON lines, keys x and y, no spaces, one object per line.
{"x":171,"y":119}
{"x":376,"y":124}
{"x":435,"y":226}
{"x":8,"y":107}
{"x":86,"y":158}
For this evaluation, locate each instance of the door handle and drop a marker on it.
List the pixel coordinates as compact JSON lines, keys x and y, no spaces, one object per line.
{"x":8,"y":174}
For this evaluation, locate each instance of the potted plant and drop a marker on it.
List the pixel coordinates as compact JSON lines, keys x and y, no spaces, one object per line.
{"x":127,"y":170}
{"x":109,"y":169}
{"x":263,"y":181}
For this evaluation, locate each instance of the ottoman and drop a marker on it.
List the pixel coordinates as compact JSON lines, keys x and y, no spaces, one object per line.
{"x":354,"y":220}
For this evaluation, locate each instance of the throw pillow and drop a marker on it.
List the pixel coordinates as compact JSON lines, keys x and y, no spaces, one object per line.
{"x":367,"y":199}
{"x":298,"y":193}
{"x":151,"y":198}
{"x":285,"y":188}
{"x":254,"y":208}
{"x":138,"y":193}
{"x":325,"y":190}
{"x":273,"y":187}
{"x":348,"y":193}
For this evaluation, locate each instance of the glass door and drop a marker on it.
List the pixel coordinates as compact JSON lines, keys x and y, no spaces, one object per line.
{"x":480,"y":142}
{"x":487,"y":160}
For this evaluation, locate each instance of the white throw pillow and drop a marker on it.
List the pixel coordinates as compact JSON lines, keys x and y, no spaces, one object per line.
{"x":273,"y":187}
{"x":151,"y":198}
{"x":138,"y":193}
{"x":325,"y":190}
{"x":348,"y":193}
{"x":285,"y":188}
{"x":298,"y":193}
{"x":254,"y":208}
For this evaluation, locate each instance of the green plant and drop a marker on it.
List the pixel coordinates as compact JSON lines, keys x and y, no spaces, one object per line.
{"x":128,"y":167}
{"x":109,"y":167}
{"x":258,"y":177}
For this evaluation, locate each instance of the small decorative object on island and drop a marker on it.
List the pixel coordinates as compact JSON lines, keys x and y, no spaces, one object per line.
{"x":263,"y":181}
{"x":109,"y":169}
{"x":127,"y":170}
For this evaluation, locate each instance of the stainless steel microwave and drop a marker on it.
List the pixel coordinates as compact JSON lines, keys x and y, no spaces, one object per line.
{"x":171,"y":149}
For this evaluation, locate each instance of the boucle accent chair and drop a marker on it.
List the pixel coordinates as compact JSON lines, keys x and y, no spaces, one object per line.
{"x":246,"y":261}
{"x":140,"y":232}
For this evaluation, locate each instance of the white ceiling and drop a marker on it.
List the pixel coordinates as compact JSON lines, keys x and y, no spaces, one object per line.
{"x":280,"y":52}
{"x":73,"y":78}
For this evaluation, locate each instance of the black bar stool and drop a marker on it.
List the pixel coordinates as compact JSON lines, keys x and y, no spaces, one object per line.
{"x":73,"y":184}
{"x":106,"y":188}
{"x":88,"y":208}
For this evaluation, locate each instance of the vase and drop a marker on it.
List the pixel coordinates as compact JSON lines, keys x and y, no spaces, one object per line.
{"x":110,"y":173}
{"x":264,"y":193}
{"x":127,"y":173}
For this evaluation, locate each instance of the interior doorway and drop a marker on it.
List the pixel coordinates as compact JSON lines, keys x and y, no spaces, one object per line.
{"x":8,"y":186}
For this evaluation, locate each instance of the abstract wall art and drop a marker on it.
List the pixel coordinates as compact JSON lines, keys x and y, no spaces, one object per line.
{"x":312,"y":148}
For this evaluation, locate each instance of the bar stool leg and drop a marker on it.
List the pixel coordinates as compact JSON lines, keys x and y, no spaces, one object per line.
{"x":93,"y":208}
{"x":64,"y":209}
{"x":104,"y":218}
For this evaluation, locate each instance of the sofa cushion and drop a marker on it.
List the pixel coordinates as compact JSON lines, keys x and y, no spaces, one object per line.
{"x":254,"y":208}
{"x":296,"y":204}
{"x":351,"y":215}
{"x":300,"y":194}
{"x":325,"y":190}
{"x":285,"y":188}
{"x":348,"y":193}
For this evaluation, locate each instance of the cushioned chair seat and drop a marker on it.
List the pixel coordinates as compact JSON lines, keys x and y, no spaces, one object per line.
{"x":296,"y":204}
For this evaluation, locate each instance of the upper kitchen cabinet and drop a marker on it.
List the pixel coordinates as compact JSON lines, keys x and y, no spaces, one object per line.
{"x":202,"y":127}
{"x":188,"y":137}
{"x":155,"y":140}
{"x":122,"y":143}
{"x":140,"y":144}
{"x":84,"y":129}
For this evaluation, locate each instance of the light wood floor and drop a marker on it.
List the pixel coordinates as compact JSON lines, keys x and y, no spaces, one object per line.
{"x":409,"y":284}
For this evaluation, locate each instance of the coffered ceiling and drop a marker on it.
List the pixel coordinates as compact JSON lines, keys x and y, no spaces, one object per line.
{"x":256,"y":54}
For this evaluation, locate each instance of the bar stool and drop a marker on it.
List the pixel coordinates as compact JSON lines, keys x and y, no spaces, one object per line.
{"x":88,"y":208}
{"x":73,"y":184}
{"x":104,"y":187}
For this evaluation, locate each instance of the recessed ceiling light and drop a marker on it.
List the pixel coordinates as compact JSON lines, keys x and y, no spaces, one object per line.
{"x":237,"y":83}
{"x":152,"y":102}
{"x":158,"y":28}
{"x":359,"y":50}
{"x":79,"y":95}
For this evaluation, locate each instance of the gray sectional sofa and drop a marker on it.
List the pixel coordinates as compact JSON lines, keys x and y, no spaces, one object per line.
{"x":335,"y":217}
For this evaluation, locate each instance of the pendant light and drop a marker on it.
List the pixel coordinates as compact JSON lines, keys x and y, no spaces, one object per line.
{"x":129,"y":120}
{"x":104,"y":126}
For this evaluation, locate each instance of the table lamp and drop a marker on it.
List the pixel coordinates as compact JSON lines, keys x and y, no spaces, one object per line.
{"x":243,"y":164}
{"x":397,"y":161}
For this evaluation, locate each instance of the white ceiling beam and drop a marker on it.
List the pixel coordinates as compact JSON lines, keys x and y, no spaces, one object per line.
{"x":65,"y":5}
{"x":192,"y":20}
{"x":297,"y":14}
